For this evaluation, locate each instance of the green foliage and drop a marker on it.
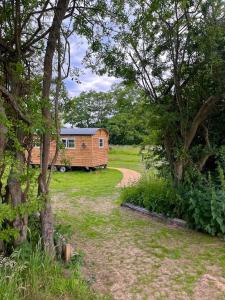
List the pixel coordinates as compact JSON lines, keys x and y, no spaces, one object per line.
{"x":77,"y":259}
{"x":205,"y":203}
{"x":89,"y":109}
{"x":34,"y":230}
{"x":178,"y":59}
{"x":29,"y":274}
{"x":201,"y":204}
{"x":155,"y":194}
{"x":118,"y":110}
{"x":64,"y":230}
{"x":7,"y":234}
{"x":9,"y":213}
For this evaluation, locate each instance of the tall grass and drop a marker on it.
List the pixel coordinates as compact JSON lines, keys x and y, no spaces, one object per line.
{"x":156,"y":194}
{"x":39,"y":277}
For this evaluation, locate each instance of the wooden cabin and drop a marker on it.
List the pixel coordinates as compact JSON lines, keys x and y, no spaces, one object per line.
{"x":81,"y":147}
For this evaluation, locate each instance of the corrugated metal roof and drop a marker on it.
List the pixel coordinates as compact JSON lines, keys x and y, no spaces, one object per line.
{"x":78,"y":131}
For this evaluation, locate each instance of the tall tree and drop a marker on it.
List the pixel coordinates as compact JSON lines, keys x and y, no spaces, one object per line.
{"x":53,"y":37}
{"x":31,"y":33}
{"x":118,"y":110}
{"x":173,"y":50}
{"x":89,"y":109}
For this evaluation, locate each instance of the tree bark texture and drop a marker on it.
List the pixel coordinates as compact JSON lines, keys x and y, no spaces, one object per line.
{"x":3,"y":129}
{"x":198,"y":120}
{"x":46,"y":213}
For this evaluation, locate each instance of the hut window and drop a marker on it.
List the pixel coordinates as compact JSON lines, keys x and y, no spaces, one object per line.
{"x":37,"y":143}
{"x":68,"y":143}
{"x":101,"y":143}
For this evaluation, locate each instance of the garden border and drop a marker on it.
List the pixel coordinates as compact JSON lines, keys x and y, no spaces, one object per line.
{"x":160,"y":217}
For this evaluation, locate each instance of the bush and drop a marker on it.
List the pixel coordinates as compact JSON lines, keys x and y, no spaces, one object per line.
{"x":200,"y":203}
{"x":205,"y":201}
{"x":156,"y":194}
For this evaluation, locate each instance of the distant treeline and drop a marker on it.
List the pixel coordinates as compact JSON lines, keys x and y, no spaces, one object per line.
{"x":120,"y":111}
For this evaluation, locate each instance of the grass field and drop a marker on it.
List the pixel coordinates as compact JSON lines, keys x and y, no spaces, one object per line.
{"x":128,"y":255}
{"x":125,"y":157}
{"x":93,"y":184}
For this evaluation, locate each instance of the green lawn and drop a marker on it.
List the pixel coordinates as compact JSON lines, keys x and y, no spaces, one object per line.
{"x":125,"y":157}
{"x":89,"y":184}
{"x":128,"y":255}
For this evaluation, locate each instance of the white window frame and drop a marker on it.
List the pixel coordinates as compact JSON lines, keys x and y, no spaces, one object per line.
{"x":67,"y":142}
{"x":99,"y":143}
{"x":36,"y":146}
{"x":37,"y":143}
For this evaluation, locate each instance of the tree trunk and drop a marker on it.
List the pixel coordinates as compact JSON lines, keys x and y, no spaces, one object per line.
{"x":16,"y":194}
{"x":3,"y":132}
{"x":169,"y":152}
{"x":46,"y":213}
{"x":199,"y":118}
{"x":3,"y":129}
{"x":178,"y":171}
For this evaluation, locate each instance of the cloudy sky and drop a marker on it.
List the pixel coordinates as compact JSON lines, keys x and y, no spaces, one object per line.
{"x":88,"y":80}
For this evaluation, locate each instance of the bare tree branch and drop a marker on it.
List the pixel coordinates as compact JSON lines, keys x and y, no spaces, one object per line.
{"x":202,"y":114}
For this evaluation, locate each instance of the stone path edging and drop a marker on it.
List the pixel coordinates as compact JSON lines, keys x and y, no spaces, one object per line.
{"x":160,"y":217}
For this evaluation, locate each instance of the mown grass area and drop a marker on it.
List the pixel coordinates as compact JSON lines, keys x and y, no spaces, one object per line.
{"x":125,"y":157}
{"x":90,"y":184}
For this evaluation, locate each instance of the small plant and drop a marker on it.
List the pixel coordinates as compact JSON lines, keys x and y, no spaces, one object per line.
{"x":77,"y":259}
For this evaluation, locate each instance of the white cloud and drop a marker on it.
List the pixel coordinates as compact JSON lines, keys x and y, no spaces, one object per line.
{"x":91,"y":81}
{"x":88,"y":79}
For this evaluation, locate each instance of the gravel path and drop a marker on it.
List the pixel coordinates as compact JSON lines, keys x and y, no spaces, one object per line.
{"x":130,"y":177}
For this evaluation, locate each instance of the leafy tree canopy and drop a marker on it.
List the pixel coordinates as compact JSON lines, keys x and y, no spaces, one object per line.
{"x":174,"y":50}
{"x":119,"y":110}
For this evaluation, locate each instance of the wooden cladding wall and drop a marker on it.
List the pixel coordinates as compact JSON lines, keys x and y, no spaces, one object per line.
{"x":100,"y":155}
{"x":86,"y":152}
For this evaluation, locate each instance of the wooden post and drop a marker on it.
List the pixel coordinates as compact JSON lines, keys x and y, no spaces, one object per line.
{"x":68,"y":252}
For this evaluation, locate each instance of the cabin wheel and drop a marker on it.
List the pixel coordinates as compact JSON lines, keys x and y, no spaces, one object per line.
{"x":62,"y":169}
{"x":54,"y":168}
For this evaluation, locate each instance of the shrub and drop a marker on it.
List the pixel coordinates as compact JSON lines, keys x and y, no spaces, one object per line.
{"x":156,"y":194}
{"x":200,"y":203}
{"x":205,"y":202}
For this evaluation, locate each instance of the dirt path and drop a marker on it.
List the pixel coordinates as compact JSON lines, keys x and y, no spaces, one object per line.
{"x":132,"y":257}
{"x":129,"y":177}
